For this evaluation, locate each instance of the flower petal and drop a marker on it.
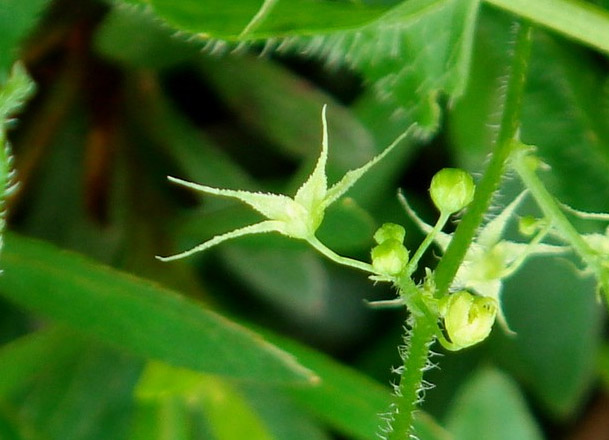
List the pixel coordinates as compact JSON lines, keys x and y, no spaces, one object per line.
{"x":312,"y":192}
{"x":258,"y":228}
{"x":272,"y":206}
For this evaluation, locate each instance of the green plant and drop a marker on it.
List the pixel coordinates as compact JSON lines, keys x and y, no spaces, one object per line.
{"x":130,"y":91}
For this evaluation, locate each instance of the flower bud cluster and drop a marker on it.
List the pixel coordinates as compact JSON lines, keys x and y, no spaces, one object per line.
{"x":389,"y":257}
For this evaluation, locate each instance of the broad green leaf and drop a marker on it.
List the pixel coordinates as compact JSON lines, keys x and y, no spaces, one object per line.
{"x":140,"y":316}
{"x":17,"y":18}
{"x":557,"y":322}
{"x":409,"y":62}
{"x":491,"y":407}
{"x":219,"y":19}
{"x":27,"y":357}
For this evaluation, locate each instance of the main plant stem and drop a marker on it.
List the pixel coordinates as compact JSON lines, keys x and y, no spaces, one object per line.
{"x":508,"y":130}
{"x":408,"y":393}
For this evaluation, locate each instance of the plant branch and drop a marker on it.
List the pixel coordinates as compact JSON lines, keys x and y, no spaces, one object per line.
{"x":449,"y":264}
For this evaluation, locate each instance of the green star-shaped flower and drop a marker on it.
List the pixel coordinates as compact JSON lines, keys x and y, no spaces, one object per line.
{"x":297,"y":217}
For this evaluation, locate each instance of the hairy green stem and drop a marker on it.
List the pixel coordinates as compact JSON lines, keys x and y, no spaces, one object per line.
{"x":409,"y":391}
{"x":449,"y":264}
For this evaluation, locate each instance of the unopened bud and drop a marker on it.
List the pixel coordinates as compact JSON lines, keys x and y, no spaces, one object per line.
{"x":389,"y":231}
{"x":389,"y":258}
{"x":468,"y":319}
{"x":451,"y":190}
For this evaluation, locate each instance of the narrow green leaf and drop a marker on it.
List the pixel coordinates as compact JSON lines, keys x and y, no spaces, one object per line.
{"x":491,"y":407}
{"x":137,"y":315}
{"x":348,"y":400}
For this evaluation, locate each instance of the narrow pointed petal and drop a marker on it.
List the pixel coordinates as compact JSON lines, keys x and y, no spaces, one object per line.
{"x":492,"y":231}
{"x":349,"y":179}
{"x":258,"y":228}
{"x":313,"y":191}
{"x":601,"y":216}
{"x":272,"y":206}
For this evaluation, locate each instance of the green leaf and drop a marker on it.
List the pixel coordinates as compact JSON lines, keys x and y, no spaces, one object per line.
{"x":27,"y":357}
{"x":409,"y":61}
{"x":346,"y":399}
{"x":558,"y":332}
{"x":491,"y":407}
{"x":13,"y":95}
{"x":17,"y":18}
{"x":14,"y":92}
{"x":219,"y":19}
{"x":228,"y":413}
{"x":163,"y":419}
{"x":137,"y":315}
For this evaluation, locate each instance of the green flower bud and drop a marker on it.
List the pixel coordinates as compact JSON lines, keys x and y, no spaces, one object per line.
{"x":389,"y":258}
{"x":451,"y":190}
{"x":468,"y":319}
{"x":529,"y":225}
{"x":389,"y":231}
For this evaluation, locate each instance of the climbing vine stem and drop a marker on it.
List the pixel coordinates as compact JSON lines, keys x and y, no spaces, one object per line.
{"x":508,"y":130}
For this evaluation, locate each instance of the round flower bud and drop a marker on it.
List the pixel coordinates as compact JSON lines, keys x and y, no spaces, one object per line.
{"x":451,"y":190}
{"x":529,"y":225}
{"x":468,"y":319}
{"x":389,"y":231}
{"x":389,"y":258}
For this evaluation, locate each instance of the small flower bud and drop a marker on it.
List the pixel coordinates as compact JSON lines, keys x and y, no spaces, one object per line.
{"x":389,"y":231}
{"x":529,"y":225}
{"x":389,"y":258}
{"x":468,"y":319}
{"x":451,"y":190}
